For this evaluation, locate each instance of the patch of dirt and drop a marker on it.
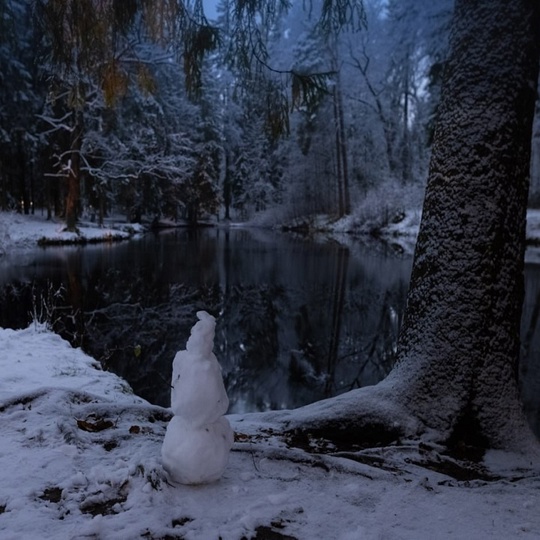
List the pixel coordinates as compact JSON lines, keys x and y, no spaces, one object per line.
{"x":53,"y":494}
{"x":342,"y":438}
{"x":370,"y":460}
{"x":95,"y":425}
{"x":26,"y":400}
{"x":462,"y":466}
{"x":101,"y":504}
{"x":461,"y":471}
{"x":148,"y":535}
{"x":456,"y":459}
{"x":180,"y":522}
{"x":160,"y":416}
{"x":79,"y":398}
{"x":264,"y":532}
{"x":109,"y":445}
{"x":103,"y":508}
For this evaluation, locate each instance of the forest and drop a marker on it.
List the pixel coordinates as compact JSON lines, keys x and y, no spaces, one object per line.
{"x":262,"y":118}
{"x":270,"y":112}
{"x":278,"y":111}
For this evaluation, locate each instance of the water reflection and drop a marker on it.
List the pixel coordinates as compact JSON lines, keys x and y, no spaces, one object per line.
{"x":297,"y":320}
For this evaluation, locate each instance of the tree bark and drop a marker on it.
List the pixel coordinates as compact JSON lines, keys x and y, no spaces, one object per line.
{"x":343,"y":149}
{"x":339,"y":156}
{"x":455,"y":381}
{"x":459,"y":345}
{"x":338,"y":302}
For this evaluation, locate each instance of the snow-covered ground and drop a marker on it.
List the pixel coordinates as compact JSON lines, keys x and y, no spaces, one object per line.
{"x":27,"y":231}
{"x":80,"y":457}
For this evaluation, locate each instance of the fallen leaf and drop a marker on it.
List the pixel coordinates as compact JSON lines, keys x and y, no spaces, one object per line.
{"x":94,"y":427}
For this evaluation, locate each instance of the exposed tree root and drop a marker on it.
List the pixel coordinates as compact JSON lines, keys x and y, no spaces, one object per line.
{"x":369,"y":429}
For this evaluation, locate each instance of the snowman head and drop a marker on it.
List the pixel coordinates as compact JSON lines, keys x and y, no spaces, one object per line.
{"x":201,"y":340}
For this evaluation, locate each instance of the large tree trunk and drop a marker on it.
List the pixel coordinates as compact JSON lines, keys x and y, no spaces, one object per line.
{"x":455,"y":376}
{"x":460,"y":340}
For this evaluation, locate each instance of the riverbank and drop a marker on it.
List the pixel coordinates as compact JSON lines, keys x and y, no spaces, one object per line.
{"x":80,"y":459}
{"x":19,"y":231}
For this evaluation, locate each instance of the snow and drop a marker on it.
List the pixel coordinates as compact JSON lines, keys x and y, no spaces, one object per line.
{"x":25,"y":231}
{"x":51,"y":361}
{"x":18,"y":231}
{"x":80,"y":459}
{"x":198,"y":438}
{"x":198,"y":393}
{"x":196,"y":454}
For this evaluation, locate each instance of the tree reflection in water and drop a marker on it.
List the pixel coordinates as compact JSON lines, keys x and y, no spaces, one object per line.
{"x":298,"y":320}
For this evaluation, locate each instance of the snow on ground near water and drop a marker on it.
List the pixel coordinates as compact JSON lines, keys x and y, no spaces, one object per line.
{"x":80,"y":459}
{"x":25,"y":231}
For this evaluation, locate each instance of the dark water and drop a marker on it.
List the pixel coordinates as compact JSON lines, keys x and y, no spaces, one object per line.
{"x":297,"y":320}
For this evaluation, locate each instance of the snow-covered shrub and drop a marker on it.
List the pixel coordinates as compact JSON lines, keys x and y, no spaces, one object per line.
{"x":4,"y":232}
{"x":45,"y":307}
{"x":381,"y":206}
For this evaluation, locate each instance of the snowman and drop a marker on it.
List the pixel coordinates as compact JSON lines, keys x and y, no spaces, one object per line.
{"x":198,"y":438}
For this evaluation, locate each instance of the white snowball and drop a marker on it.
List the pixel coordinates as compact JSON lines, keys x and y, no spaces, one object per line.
{"x":196,"y":455}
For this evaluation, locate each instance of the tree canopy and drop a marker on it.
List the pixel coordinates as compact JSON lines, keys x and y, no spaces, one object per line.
{"x":317,"y":81}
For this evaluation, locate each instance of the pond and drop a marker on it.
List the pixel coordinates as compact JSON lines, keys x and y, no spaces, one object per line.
{"x":297,"y":320}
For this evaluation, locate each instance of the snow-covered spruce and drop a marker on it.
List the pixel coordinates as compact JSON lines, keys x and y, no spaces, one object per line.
{"x":198,"y":438}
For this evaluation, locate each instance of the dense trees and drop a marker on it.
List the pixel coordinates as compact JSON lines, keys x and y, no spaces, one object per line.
{"x":110,"y":106}
{"x":105,"y":112}
{"x":21,"y":97}
{"x":373,"y":128}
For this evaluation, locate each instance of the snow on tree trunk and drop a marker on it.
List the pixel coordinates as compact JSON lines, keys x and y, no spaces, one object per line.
{"x":455,"y":381}
{"x":460,"y":339}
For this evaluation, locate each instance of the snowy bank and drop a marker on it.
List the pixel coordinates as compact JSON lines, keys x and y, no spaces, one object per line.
{"x":399,"y":232}
{"x":80,"y":459}
{"x":28,"y":231}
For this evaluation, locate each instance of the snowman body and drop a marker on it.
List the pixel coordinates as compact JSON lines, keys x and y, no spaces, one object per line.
{"x":198,"y":438}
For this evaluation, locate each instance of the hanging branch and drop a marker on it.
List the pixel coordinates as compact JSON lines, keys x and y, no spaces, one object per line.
{"x":254,"y":22}
{"x":198,"y":41}
{"x":339,"y":14}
